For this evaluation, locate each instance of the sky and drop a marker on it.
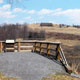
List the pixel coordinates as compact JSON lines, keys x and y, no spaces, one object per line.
{"x":37,"y":11}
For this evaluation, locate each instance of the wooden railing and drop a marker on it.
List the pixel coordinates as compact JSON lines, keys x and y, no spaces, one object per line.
{"x":22,"y":44}
{"x":49,"y":50}
{"x":52,"y":49}
{"x":1,"y":46}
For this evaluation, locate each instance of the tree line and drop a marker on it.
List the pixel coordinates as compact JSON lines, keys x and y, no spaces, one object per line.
{"x":16,"y":31}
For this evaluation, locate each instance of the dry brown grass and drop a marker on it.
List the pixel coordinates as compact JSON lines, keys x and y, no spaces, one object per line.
{"x":70,"y":42}
{"x":64,"y":42}
{"x":60,"y":77}
{"x":56,"y":28}
{"x":75,"y":67}
{"x":3,"y":77}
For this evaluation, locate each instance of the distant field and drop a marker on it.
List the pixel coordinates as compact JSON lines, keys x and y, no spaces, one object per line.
{"x":56,"y":28}
{"x":68,"y":36}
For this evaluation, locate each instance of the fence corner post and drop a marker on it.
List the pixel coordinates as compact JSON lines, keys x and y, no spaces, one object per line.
{"x":58,"y":52}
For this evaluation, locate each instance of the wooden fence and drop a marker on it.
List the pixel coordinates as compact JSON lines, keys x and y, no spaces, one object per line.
{"x":52,"y":49}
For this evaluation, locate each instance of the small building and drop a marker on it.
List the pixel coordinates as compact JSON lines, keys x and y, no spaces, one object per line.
{"x":46,"y":24}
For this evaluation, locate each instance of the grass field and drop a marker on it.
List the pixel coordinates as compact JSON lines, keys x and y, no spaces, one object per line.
{"x":56,"y":28}
{"x":64,"y":35}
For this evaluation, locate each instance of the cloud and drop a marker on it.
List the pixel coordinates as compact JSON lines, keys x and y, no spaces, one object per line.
{"x":7,"y":15}
{"x":5,"y":7}
{"x":17,"y":10}
{"x":70,"y":16}
{"x":69,"y":12}
{"x":52,"y":22}
{"x":29,"y":18}
{"x":24,"y":11}
{"x":5,"y":12}
{"x":7,"y":22}
{"x":73,"y":15}
{"x":48,"y":11}
{"x":21,"y":21}
{"x":31,"y":11}
{"x":1,"y":1}
{"x":44,"y":11}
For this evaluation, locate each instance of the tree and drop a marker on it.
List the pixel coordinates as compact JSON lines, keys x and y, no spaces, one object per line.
{"x":16,"y":3}
{"x":12,"y":1}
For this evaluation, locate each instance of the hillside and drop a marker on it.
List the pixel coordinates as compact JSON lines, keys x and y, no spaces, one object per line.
{"x":68,"y":36}
{"x":56,"y":28}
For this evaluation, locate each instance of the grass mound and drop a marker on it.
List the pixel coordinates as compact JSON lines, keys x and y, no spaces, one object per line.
{"x":60,"y":77}
{"x":3,"y":77}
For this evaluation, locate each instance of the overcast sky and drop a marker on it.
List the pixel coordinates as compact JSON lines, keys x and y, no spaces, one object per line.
{"x":36,"y":11}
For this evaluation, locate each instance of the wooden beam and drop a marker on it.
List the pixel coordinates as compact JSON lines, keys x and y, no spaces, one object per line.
{"x":40,"y":48}
{"x":1,"y":45}
{"x":58,"y":56}
{"x":18,"y":46}
{"x":35,"y":44}
{"x":58,"y":52}
{"x":48,"y":49}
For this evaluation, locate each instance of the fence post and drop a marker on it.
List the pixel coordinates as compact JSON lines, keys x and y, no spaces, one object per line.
{"x":18,"y":46}
{"x":0,"y":46}
{"x":58,"y":52}
{"x":40,"y":48}
{"x":48,"y":49}
{"x":35,"y":46}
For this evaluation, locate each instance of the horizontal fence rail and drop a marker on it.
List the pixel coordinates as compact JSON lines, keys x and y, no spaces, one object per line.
{"x":50,"y":49}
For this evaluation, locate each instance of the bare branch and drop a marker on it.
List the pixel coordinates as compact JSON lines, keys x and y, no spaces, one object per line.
{"x":16,"y":2}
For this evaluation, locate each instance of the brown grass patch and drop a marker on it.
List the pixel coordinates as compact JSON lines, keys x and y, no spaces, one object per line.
{"x":64,"y":42}
{"x":3,"y":77}
{"x":60,"y":77}
{"x":75,"y":68}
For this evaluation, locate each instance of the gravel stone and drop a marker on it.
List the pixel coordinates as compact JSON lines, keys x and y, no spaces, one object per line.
{"x":28,"y":65}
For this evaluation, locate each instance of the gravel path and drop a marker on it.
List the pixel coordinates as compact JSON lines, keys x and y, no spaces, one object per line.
{"x":28,"y":66}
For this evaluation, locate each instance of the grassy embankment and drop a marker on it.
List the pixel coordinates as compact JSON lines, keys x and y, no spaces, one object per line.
{"x":3,"y":77}
{"x":60,"y":77}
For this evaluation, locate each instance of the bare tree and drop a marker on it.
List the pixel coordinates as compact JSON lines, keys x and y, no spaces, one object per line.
{"x":12,"y":1}
{"x":16,"y":3}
